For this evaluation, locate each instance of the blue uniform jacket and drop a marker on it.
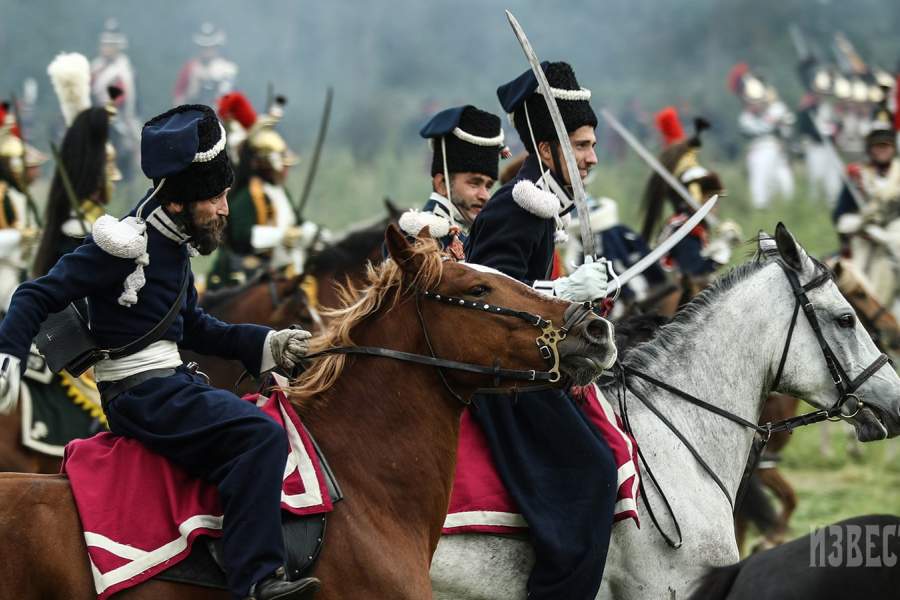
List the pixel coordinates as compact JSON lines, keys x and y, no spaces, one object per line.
{"x":91,"y":272}
{"x":510,"y":238}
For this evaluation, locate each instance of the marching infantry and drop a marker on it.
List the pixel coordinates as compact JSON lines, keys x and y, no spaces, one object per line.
{"x":263,"y":230}
{"x":699,"y":255}
{"x":766,"y":122}
{"x":530,"y":440}
{"x":467,"y":143}
{"x":131,"y":272}
{"x":112,"y":69}
{"x":867,"y":215}
{"x":817,"y":127}
{"x":208,"y":76}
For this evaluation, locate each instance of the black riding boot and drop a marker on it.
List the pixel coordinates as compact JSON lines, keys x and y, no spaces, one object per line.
{"x":275,"y":587}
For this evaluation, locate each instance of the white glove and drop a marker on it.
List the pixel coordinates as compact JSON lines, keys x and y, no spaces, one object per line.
{"x":718,"y":250}
{"x":731,"y":232}
{"x":877,"y":233}
{"x":588,"y":282}
{"x":301,"y":236}
{"x":288,"y":347}
{"x":10,"y":377}
{"x":849,"y":223}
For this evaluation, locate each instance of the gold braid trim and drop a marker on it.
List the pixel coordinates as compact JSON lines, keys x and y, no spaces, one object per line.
{"x":3,"y":223}
{"x":83,"y":392}
{"x":258,"y":196}
{"x":310,"y":286}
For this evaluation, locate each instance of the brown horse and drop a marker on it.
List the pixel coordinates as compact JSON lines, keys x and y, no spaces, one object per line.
{"x":389,"y":429}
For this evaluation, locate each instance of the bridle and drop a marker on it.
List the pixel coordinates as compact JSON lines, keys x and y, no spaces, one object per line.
{"x":547,"y":342}
{"x":845,"y":386}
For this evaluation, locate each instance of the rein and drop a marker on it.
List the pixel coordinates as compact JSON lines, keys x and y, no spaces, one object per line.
{"x":547,"y":342}
{"x":843,"y":384}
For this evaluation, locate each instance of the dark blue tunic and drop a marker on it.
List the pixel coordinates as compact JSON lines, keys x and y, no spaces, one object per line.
{"x":555,"y":464}
{"x":210,"y":432}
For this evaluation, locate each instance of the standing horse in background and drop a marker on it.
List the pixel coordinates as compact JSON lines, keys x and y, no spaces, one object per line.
{"x":731,"y":337}
{"x":388,"y":424}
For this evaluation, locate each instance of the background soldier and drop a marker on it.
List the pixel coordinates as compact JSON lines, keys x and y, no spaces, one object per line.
{"x":263,"y":229}
{"x":208,"y":76}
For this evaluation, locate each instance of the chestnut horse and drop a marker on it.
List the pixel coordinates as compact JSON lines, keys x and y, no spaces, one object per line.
{"x":389,"y":428}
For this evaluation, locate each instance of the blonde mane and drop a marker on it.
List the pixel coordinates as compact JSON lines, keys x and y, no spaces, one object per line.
{"x":384,"y":287}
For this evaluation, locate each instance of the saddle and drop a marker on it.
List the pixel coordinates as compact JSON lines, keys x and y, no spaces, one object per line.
{"x":304,"y":537}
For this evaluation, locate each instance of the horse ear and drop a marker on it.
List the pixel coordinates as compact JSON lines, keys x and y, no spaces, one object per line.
{"x":790,"y":251}
{"x":393,"y":210}
{"x":401,"y":250}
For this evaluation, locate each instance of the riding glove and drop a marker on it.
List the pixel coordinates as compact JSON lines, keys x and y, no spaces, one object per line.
{"x":10,"y":377}
{"x":288,"y":347}
{"x":588,"y":282}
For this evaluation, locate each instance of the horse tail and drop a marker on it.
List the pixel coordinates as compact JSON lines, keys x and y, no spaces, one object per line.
{"x":717,"y":582}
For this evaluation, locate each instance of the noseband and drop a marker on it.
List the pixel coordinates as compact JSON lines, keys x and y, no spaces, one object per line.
{"x":845,"y":386}
{"x":547,"y":342}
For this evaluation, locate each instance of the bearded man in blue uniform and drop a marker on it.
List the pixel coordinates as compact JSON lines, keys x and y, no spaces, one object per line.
{"x":555,"y":464}
{"x":131,"y":272}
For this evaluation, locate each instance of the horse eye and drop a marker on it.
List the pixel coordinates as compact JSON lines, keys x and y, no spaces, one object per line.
{"x":847,"y":321}
{"x":478,"y":291}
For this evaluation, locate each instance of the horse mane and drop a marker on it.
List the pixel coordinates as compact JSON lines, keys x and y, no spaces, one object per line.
{"x":384,"y":286}
{"x":673,"y":333}
{"x":348,"y":252}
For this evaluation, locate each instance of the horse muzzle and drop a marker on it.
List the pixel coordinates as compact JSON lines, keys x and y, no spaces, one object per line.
{"x":588,"y":349}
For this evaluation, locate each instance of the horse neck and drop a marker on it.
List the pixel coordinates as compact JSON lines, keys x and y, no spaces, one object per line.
{"x":389,"y":428}
{"x":725,"y":358}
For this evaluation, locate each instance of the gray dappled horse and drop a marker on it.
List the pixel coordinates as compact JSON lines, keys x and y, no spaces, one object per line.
{"x":725,"y":348}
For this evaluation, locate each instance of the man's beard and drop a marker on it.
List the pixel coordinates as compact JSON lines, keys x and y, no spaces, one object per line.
{"x":205,"y":236}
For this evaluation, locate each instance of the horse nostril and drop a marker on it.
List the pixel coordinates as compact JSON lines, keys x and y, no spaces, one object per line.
{"x":597,"y":331}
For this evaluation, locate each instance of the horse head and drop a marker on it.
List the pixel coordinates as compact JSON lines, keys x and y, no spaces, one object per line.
{"x":478,"y":315}
{"x":838,"y":366}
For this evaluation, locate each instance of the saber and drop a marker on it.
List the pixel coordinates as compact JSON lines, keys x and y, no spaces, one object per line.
{"x":317,"y":152}
{"x":656,"y":165}
{"x":578,"y":195}
{"x":663,"y":248}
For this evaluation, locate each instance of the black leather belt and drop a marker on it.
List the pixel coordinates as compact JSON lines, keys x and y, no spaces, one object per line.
{"x":110,"y":391}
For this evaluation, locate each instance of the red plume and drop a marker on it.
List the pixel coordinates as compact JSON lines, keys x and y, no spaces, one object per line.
{"x":669,"y":125}
{"x":735,"y":75}
{"x":236,"y":106}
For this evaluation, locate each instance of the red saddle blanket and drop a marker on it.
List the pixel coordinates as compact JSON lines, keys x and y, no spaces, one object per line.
{"x":479,"y":503}
{"x":141,"y":514}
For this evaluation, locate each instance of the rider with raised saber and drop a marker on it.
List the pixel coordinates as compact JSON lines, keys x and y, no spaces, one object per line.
{"x":558,"y":469}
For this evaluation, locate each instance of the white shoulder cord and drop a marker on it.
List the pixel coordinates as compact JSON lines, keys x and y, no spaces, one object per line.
{"x":447,"y":181}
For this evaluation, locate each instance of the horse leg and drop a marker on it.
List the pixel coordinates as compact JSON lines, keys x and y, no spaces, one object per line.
{"x":784,"y":491}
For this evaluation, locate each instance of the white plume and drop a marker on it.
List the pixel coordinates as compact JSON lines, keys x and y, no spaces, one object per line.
{"x":71,"y":77}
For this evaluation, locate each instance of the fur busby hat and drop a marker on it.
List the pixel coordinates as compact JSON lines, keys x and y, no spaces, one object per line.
{"x":681,"y":160}
{"x":185,"y":146}
{"x":471,"y":138}
{"x":524,"y":103}
{"x":816,"y":77}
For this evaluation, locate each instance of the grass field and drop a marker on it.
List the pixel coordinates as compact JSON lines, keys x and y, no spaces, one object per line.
{"x":829,"y":488}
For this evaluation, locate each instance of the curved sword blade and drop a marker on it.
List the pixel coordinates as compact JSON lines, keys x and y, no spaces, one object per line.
{"x":587,"y":238}
{"x":663,"y":248}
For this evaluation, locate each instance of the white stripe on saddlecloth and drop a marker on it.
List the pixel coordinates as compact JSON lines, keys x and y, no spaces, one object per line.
{"x":142,"y":560}
{"x":484,"y":517}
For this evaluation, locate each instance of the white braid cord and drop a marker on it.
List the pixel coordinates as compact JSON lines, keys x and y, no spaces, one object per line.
{"x":478,"y":141}
{"x":561,"y":94}
{"x":447,"y":179}
{"x":208,"y":155}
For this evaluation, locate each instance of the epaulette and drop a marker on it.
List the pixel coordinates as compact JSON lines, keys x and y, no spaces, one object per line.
{"x":125,"y":239}
{"x":538,"y":202}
